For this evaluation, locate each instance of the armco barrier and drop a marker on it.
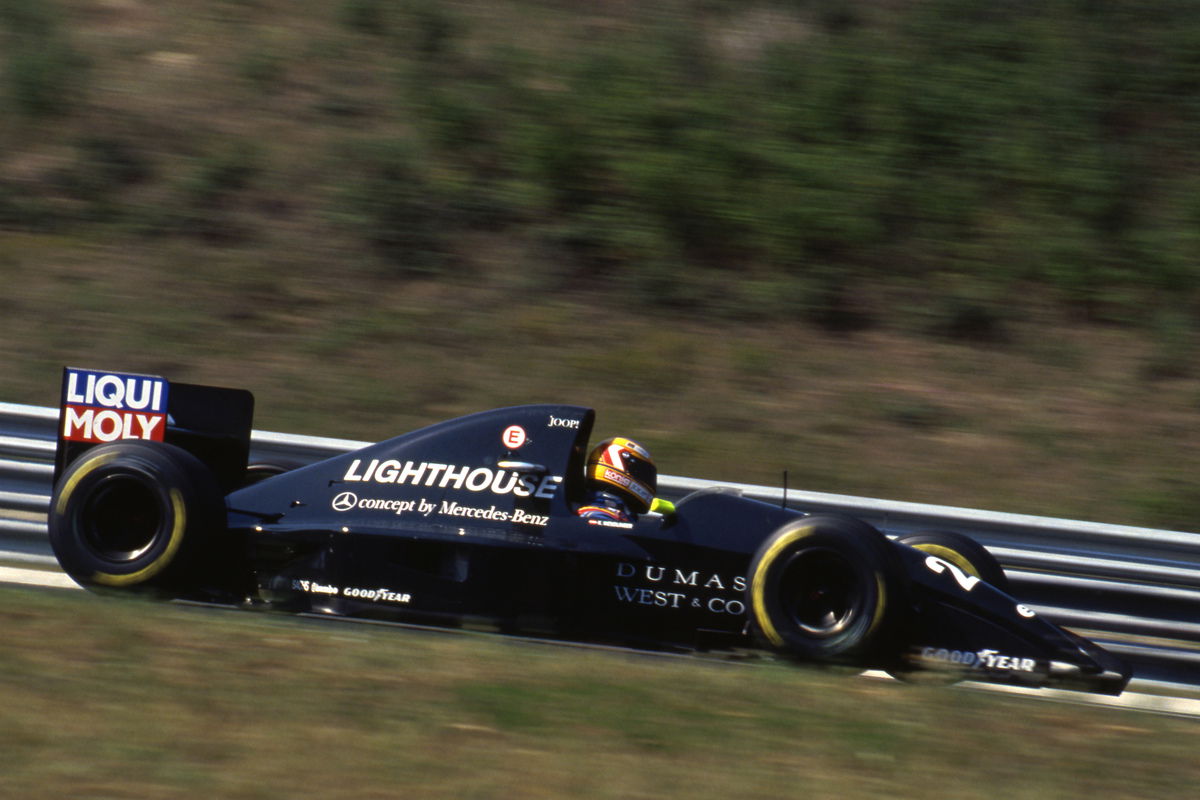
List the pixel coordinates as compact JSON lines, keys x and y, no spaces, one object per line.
{"x":1136,"y":590}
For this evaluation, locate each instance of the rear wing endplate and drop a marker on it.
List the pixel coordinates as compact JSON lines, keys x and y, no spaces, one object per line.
{"x":210,"y":422}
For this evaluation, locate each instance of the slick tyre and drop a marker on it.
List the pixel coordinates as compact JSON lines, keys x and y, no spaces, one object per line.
{"x":961,"y":551}
{"x":259,"y":471}
{"x":828,"y":589}
{"x":132,"y":516}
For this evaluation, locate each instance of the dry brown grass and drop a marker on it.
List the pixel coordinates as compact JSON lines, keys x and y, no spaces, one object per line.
{"x":112,"y":699}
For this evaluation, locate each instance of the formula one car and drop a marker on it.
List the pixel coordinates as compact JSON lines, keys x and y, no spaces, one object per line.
{"x":473,"y":521}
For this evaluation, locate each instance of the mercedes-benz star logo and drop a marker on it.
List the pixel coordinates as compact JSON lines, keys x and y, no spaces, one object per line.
{"x":345,"y":501}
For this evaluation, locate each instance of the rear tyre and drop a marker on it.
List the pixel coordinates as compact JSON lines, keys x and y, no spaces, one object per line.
{"x":134,"y":515}
{"x":961,"y":551}
{"x":827,"y":588}
{"x":259,"y":471}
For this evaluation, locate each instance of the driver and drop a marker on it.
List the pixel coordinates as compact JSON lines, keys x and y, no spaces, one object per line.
{"x":621,"y":480}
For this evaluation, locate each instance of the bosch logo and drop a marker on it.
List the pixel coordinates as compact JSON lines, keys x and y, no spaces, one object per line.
{"x":345,"y":501}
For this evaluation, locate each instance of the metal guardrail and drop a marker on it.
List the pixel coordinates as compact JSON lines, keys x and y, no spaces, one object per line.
{"x":1136,"y":590}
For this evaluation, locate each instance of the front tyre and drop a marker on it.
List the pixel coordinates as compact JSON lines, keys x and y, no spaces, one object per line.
{"x":963,"y":552}
{"x":827,"y":588}
{"x":972,"y":559}
{"x":133,"y":515}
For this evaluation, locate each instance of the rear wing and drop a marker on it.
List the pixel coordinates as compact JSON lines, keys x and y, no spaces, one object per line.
{"x":210,"y":422}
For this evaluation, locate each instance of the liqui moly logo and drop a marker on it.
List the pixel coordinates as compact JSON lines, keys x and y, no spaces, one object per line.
{"x":107,"y":406}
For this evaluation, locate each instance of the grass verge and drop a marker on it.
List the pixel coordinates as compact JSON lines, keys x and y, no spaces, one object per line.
{"x":107,"y":698}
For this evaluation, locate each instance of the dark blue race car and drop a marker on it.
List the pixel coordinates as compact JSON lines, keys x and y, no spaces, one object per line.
{"x":473,"y":521}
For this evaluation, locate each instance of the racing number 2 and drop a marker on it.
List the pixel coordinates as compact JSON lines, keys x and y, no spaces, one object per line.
{"x":938,"y":566}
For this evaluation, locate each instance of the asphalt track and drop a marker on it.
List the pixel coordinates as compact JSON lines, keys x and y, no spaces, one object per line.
{"x":1177,"y":700}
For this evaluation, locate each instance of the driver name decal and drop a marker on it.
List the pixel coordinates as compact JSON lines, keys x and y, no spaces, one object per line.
{"x":449,"y":476}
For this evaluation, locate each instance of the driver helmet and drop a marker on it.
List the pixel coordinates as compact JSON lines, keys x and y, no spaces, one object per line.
{"x":624,"y":468}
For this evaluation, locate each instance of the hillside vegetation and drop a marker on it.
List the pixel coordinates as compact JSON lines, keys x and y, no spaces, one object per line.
{"x":765,"y":158}
{"x":940,"y":251}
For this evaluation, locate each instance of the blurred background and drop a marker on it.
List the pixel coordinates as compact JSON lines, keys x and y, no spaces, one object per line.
{"x":940,"y":251}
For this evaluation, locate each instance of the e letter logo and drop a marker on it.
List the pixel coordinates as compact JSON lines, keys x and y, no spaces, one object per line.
{"x":513,"y":437}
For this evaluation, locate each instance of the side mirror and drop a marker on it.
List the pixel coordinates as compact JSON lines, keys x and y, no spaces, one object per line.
{"x":521,"y":466}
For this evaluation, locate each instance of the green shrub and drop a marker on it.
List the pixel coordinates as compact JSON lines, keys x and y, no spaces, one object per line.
{"x":434,"y":29}
{"x":364,"y":16}
{"x":963,"y":308}
{"x":264,"y":67}
{"x":43,"y":74}
{"x":397,"y":208}
{"x":20,"y":211}
{"x":36,"y":19}
{"x":203,"y":201}
{"x":1175,"y":347}
{"x":44,"y":78}
{"x":228,"y":169}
